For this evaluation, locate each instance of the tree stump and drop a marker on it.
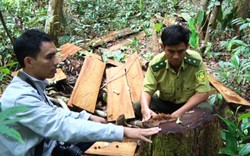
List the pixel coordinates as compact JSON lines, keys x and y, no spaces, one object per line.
{"x":197,"y":135}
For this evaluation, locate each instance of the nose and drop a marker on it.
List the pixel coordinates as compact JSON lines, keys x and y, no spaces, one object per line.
{"x":176,"y":56}
{"x":56,"y":61}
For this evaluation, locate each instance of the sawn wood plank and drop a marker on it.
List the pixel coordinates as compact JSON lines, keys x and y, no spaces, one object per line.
{"x":134,"y":76}
{"x":229,"y":95}
{"x":118,"y":96}
{"x":87,"y":86}
{"x":112,"y":149}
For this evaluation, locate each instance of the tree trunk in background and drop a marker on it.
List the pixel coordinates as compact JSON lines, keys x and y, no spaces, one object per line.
{"x":5,"y":28}
{"x":52,"y":26}
{"x":211,"y":22}
{"x":204,"y":4}
{"x":243,"y":9}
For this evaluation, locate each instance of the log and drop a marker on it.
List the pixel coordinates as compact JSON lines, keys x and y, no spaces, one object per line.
{"x":107,"y":38}
{"x":197,"y":135}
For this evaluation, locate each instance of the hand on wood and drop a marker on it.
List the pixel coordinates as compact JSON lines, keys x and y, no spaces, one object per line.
{"x":139,"y":133}
{"x":147,"y":114}
{"x":97,"y":119}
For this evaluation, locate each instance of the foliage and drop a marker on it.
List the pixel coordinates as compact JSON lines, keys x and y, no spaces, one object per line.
{"x":5,"y":120}
{"x":236,"y":46}
{"x":116,"y":55}
{"x":234,"y":71}
{"x":236,"y":135}
{"x":95,"y":18}
{"x":194,"y":38}
{"x":215,"y":99}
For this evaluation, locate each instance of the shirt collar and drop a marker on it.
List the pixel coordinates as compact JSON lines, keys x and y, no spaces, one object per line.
{"x":183,"y":66}
{"x":40,"y":84}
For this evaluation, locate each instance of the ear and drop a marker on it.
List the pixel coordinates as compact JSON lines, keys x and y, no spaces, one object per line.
{"x":162,"y":46}
{"x":28,"y":61}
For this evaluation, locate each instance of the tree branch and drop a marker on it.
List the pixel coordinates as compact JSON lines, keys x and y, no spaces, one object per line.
{"x":5,"y":28}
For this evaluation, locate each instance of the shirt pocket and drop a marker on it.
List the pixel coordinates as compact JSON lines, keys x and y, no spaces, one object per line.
{"x":188,"y":90}
{"x":166,"y":92}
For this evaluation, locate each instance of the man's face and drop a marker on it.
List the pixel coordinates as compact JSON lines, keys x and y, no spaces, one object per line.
{"x":45,"y":64}
{"x":175,"y":54}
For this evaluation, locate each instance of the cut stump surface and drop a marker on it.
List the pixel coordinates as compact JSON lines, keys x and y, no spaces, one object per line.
{"x":197,"y":135}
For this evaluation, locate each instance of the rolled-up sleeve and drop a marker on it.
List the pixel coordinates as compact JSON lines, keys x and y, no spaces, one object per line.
{"x":150,"y":83}
{"x":202,"y":82}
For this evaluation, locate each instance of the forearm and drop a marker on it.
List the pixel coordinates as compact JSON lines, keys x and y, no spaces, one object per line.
{"x":145,"y":100}
{"x":191,"y":103}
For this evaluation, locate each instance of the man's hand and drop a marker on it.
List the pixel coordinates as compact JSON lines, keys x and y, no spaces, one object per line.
{"x":147,"y":113}
{"x":97,"y":119}
{"x":138,"y":133}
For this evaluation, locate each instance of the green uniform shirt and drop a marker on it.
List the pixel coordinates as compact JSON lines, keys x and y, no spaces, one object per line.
{"x":176,"y":87}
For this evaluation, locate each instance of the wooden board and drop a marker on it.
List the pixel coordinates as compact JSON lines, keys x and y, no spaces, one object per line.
{"x":112,"y":149}
{"x":87,"y":86}
{"x":118,"y":100}
{"x":60,"y":75}
{"x":229,"y":95}
{"x":134,"y":76}
{"x":68,"y":49}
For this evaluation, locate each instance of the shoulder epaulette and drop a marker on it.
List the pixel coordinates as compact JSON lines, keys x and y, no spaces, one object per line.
{"x":193,"y":61}
{"x":159,"y":65}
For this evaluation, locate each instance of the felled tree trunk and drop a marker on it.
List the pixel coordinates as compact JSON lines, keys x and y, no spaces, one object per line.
{"x":198,"y":135}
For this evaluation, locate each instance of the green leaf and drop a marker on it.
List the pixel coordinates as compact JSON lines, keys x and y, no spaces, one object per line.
{"x":231,"y":142}
{"x":220,"y":97}
{"x":230,"y":125}
{"x":10,"y":132}
{"x":229,"y":112}
{"x":244,"y":26}
{"x":244,"y":116}
{"x":235,"y":60}
{"x":158,"y":27}
{"x":186,"y":16}
{"x":245,"y":124}
{"x":200,"y":17}
{"x":11,"y":112}
{"x":191,"y":24}
{"x":245,"y":150}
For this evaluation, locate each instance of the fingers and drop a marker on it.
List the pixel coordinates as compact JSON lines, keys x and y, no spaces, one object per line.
{"x":143,"y":138}
{"x":153,"y":113}
{"x":148,"y":132}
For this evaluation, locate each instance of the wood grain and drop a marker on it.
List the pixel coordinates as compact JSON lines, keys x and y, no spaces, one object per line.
{"x":87,"y":86}
{"x":229,"y":95}
{"x":118,"y":101}
{"x":113,"y":149}
{"x":68,"y":49}
{"x":134,"y":76}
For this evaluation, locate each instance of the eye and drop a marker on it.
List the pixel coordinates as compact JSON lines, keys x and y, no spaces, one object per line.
{"x":171,"y":51}
{"x":181,"y":51}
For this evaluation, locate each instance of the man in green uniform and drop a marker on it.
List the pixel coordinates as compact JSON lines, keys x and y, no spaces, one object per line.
{"x":176,"y":80}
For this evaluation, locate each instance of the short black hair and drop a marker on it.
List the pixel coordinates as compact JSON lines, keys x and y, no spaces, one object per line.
{"x":175,"y":34}
{"x":28,"y":44}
